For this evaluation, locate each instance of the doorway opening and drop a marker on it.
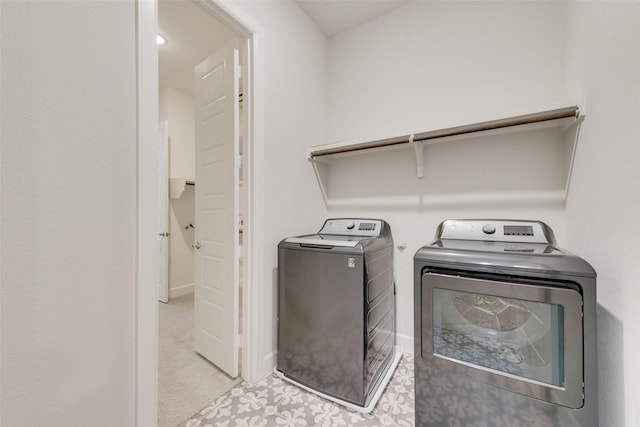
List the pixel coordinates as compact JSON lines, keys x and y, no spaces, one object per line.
{"x":187,"y":381}
{"x":254,"y":363}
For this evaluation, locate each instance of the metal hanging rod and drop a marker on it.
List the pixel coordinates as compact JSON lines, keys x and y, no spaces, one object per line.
{"x":561,"y":113}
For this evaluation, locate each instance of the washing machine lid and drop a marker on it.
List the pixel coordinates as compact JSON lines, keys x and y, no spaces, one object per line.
{"x":326,"y":240}
{"x":343,"y":232}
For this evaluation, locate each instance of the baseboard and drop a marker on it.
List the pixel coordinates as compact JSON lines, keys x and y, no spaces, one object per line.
{"x":269,"y":361}
{"x":405,"y":342}
{"x":265,"y":367}
{"x":179,"y":291}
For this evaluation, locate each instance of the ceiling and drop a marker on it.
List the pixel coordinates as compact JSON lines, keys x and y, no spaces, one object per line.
{"x":192,"y":34}
{"x":337,"y":16}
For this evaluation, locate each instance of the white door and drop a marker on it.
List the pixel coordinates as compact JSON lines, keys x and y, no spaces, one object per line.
{"x":216,"y":209}
{"x":163,"y":213}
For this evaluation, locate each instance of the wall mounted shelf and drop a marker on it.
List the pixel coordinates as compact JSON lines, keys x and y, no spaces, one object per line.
{"x":563,"y":119}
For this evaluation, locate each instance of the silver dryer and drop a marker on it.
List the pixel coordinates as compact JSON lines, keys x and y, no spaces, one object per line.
{"x":505,"y":328}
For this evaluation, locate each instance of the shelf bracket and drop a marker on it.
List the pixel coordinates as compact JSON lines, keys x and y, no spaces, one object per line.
{"x":320,"y":168}
{"x":418,"y":148}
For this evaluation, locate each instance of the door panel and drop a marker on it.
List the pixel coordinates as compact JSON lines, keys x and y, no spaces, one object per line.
{"x":520,"y":334}
{"x":216,"y":204}
{"x":514,"y":336}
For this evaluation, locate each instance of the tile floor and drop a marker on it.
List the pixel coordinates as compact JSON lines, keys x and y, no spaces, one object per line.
{"x":186,"y":380}
{"x":275,"y":402}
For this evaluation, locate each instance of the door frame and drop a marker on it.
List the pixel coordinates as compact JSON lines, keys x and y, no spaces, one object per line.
{"x":163,"y":238}
{"x":251,"y":36}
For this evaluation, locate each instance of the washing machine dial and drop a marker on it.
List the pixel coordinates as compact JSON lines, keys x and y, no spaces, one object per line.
{"x":489,"y":228}
{"x":350,"y":225}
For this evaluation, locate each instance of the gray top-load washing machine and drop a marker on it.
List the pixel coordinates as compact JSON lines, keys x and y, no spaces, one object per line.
{"x":505,"y":328}
{"x":336,"y":309}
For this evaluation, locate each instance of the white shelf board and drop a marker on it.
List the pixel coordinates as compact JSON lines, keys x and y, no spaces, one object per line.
{"x":561,"y":118}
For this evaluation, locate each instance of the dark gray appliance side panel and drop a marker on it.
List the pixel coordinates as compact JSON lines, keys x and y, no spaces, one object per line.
{"x":321,"y":321}
{"x":380,"y":301}
{"x":385,"y":240}
{"x":379,"y":269}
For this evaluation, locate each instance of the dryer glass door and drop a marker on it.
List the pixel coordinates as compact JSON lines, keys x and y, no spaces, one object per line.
{"x":520,"y":334}
{"x":517,"y":337}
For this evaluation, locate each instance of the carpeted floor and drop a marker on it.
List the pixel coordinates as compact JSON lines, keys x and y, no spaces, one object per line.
{"x":186,"y":381}
{"x":275,"y":402}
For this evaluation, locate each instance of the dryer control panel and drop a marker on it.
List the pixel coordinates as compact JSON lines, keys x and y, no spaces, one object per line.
{"x":352,"y":227}
{"x":498,"y":230}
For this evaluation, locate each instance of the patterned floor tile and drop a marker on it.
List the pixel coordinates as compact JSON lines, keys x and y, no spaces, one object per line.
{"x":275,"y":402}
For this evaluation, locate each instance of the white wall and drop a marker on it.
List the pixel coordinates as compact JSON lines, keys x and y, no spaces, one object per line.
{"x":68,"y":193}
{"x":430,"y":65}
{"x":436,"y":64}
{"x":181,"y":254}
{"x":604,"y":204}
{"x":295,"y":55}
{"x":177,"y":108}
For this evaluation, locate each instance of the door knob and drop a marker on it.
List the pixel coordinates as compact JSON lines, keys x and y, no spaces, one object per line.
{"x":196,"y":245}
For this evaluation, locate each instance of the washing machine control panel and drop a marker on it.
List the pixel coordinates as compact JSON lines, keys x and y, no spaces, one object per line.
{"x":496,"y":230}
{"x":352,"y":227}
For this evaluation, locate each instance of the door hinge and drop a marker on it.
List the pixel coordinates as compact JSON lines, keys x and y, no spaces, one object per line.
{"x":239,"y":161}
{"x":239,"y":72}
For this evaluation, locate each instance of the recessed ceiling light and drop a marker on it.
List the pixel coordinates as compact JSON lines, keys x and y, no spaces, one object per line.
{"x":160,"y":40}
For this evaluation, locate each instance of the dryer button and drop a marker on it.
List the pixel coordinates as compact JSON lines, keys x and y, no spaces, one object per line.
{"x":350,"y":225}
{"x":489,"y":229}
